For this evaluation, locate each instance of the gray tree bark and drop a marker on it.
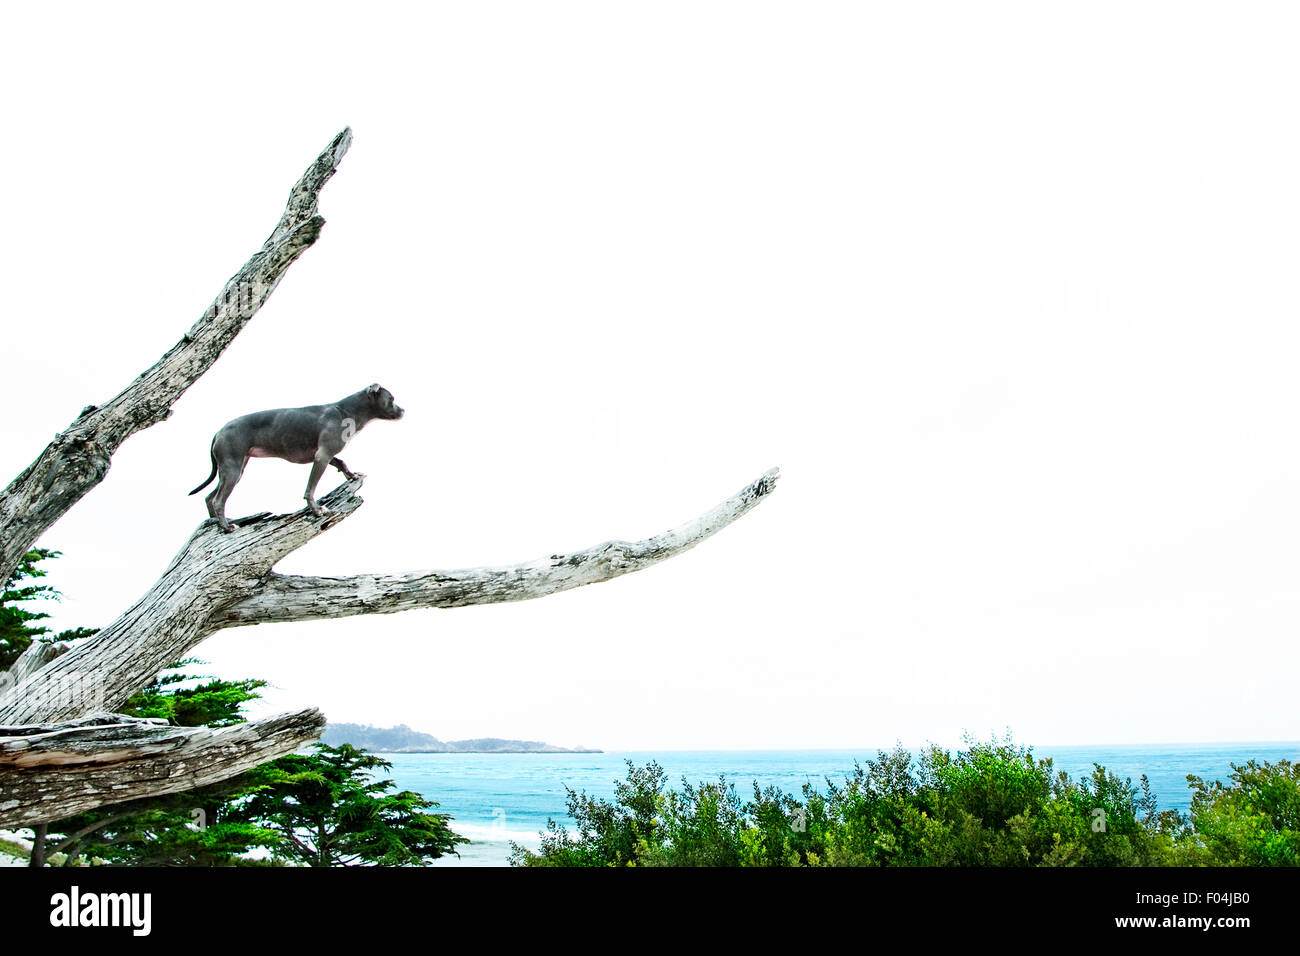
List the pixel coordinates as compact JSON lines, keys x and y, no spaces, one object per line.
{"x":54,"y":771}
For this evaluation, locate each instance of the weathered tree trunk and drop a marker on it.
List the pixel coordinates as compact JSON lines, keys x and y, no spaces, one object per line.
{"x":74,"y":463}
{"x":60,"y":753}
{"x":53,"y":771}
{"x":37,"y":858}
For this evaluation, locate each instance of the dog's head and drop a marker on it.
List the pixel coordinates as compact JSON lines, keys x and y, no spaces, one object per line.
{"x":381,"y":400}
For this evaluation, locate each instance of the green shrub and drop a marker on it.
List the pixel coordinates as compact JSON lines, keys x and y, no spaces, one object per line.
{"x":990,"y":804}
{"x":1253,"y":822}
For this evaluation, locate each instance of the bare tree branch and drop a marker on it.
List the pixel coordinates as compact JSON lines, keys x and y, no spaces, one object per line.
{"x":219,"y":581}
{"x":78,"y":458}
{"x":283,"y":597}
{"x":212,"y":571}
{"x":54,"y":771}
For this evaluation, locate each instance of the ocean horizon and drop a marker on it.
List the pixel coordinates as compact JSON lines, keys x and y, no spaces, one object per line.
{"x":498,"y":798}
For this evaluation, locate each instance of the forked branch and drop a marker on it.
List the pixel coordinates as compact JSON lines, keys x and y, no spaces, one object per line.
{"x":219,"y":581}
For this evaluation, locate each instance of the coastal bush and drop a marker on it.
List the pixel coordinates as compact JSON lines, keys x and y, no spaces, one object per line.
{"x":990,"y":804}
{"x":609,"y":833}
{"x":1254,"y":821}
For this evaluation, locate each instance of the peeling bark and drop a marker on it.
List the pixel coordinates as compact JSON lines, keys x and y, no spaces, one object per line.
{"x":53,"y":771}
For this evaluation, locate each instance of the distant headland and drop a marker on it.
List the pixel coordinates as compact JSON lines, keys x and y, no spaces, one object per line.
{"x":403,"y":740}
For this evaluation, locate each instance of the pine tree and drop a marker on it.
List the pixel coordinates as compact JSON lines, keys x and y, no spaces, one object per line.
{"x":16,"y":628}
{"x":333,"y":811}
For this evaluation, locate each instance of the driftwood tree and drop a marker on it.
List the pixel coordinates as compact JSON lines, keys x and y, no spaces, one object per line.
{"x":62,"y":749}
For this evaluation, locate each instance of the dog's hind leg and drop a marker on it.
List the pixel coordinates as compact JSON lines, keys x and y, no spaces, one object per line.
{"x":230,"y":471}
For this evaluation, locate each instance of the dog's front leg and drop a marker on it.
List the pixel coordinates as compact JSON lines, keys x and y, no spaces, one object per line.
{"x":319,"y":464}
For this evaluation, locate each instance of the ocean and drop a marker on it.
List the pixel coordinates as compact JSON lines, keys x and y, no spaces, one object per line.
{"x":496,"y":798}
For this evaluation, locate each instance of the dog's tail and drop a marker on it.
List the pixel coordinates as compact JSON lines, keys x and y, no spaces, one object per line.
{"x":208,"y":481}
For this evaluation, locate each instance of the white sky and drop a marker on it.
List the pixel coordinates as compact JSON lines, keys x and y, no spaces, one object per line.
{"x":1006,"y":290}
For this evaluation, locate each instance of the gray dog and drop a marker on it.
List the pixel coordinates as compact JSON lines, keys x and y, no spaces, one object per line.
{"x":315,"y":435}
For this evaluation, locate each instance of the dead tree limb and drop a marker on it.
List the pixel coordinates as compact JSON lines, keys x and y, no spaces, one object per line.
{"x":79,"y":457}
{"x":54,"y":771}
{"x":281,"y":597}
{"x":219,"y":581}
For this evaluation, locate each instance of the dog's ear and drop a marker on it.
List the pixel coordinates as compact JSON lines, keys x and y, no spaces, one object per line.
{"x":373,"y":390}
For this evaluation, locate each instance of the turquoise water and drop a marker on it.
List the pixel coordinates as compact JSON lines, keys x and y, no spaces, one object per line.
{"x":496,"y":798}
